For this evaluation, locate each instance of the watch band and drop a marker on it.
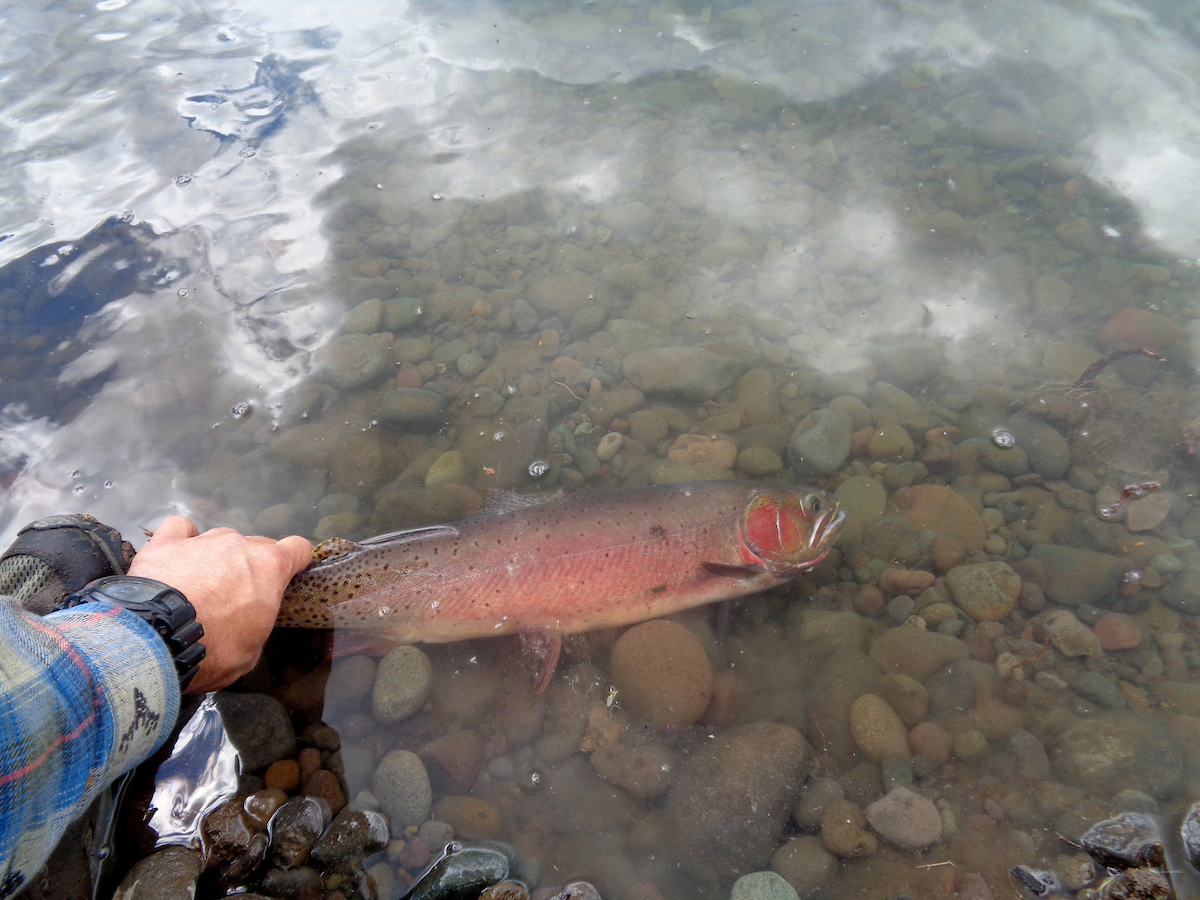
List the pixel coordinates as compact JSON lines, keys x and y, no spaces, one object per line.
{"x":163,"y":607}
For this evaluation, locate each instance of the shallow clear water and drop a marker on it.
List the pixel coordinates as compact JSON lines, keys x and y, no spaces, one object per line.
{"x":962,"y":203}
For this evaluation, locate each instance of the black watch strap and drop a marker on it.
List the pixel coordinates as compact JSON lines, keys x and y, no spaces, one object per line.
{"x":163,"y":607}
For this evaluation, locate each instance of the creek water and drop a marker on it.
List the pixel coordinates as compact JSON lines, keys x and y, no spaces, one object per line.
{"x":335,"y":269}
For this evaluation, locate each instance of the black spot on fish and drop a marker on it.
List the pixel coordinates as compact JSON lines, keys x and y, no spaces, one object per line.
{"x":658,"y":589}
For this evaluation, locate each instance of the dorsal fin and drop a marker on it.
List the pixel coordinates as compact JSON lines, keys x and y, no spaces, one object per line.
{"x":411,"y":534}
{"x":497,"y":502}
{"x":333,"y":547}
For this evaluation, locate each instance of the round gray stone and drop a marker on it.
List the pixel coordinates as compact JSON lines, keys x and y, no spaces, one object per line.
{"x":402,"y":683}
{"x":401,"y":785}
{"x":820,"y":444}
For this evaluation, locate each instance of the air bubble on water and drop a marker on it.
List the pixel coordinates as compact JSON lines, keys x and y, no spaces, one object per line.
{"x":241,"y":409}
{"x":182,"y":292}
{"x":183,"y":179}
{"x":1003,"y":439}
{"x":384,"y":610}
{"x":79,"y":489}
{"x":379,"y":187}
{"x":216,"y":424}
{"x":76,"y":474}
{"x":498,"y":436}
{"x":109,"y":485}
{"x":247,"y":152}
{"x":437,"y":196}
{"x":538,"y":468}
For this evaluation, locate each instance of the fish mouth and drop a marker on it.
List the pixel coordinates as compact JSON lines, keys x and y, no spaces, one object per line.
{"x":827,"y":526}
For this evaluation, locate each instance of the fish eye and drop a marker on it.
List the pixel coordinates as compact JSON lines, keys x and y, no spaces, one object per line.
{"x":813,"y":503}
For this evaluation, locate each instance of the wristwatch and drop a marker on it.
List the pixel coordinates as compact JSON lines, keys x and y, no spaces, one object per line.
{"x":164,"y":608}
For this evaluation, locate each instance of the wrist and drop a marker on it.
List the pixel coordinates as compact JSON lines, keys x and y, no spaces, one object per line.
{"x":164,"y":608}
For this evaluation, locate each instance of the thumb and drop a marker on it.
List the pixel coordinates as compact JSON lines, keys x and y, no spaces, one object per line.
{"x":174,"y":528}
{"x":297,"y":553}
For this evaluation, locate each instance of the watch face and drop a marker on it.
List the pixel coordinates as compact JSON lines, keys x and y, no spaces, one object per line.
{"x":124,"y":590}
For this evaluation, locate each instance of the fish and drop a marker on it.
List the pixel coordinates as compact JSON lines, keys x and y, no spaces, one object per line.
{"x":542,"y":568}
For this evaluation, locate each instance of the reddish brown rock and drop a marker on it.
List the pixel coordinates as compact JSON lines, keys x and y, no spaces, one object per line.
{"x":930,"y":739}
{"x":868,"y":600}
{"x":324,"y":785}
{"x":662,"y":673}
{"x":937,"y":508}
{"x":470,"y":817}
{"x":458,"y":755}
{"x":1117,"y":631}
{"x":1134,"y":327}
{"x":283,"y":775}
{"x":905,"y":581}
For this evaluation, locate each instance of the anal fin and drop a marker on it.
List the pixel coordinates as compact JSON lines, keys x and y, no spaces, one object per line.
{"x":540,"y":647}
{"x":730,"y":571}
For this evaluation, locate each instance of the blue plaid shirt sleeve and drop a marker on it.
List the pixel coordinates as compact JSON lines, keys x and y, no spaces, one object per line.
{"x":85,"y":695}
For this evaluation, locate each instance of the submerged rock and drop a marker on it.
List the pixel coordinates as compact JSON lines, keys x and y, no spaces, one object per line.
{"x":1127,"y":841}
{"x":906,"y":819}
{"x":717,"y":833}
{"x":691,"y":372}
{"x":1079,"y":576}
{"x":820,"y":443}
{"x":1119,"y":749}
{"x":662,"y":673}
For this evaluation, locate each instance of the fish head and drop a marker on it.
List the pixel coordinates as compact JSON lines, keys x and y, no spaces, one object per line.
{"x":788,"y":530}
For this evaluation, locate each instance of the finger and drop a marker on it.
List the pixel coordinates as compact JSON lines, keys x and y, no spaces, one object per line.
{"x":174,"y":528}
{"x":297,"y":552}
{"x":217,"y":532}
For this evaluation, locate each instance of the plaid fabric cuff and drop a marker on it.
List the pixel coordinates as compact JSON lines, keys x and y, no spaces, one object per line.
{"x":85,"y":695}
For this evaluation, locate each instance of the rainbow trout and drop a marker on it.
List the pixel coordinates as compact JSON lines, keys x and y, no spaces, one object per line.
{"x":570,"y":563}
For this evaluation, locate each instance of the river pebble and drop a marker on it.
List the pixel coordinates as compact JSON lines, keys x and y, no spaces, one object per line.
{"x":820,"y":444}
{"x":1183,"y":591}
{"x":712,"y":834}
{"x":938,"y":509}
{"x":351,"y":360}
{"x":1077,"y":576}
{"x":295,"y":828}
{"x":844,"y":832}
{"x":984,"y":591}
{"x":690,"y":372}
{"x":165,"y":874}
{"x":351,"y":836}
{"x":402,"y":683}
{"x":876,"y":728}
{"x":1117,"y":631}
{"x":906,"y":819}
{"x":762,"y":886}
{"x":804,"y":863}
{"x":259,"y":727}
{"x":1071,"y":637}
{"x":914,"y":652}
{"x":662,"y":673}
{"x":930,"y":739}
{"x":1099,"y":689}
{"x":412,"y":407}
{"x":401,"y":785}
{"x":470,"y":817}
{"x":1119,"y":749}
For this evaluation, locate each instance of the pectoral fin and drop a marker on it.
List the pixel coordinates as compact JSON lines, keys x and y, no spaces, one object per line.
{"x":733,"y":571}
{"x":333,"y":547}
{"x":540,"y":647}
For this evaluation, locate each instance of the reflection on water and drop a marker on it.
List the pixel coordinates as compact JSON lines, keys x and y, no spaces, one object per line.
{"x":336,"y":272}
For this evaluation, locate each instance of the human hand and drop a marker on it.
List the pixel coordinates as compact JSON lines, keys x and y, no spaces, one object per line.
{"x":235,"y":583}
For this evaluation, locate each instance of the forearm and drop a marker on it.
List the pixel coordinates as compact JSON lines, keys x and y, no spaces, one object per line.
{"x":85,"y":695}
